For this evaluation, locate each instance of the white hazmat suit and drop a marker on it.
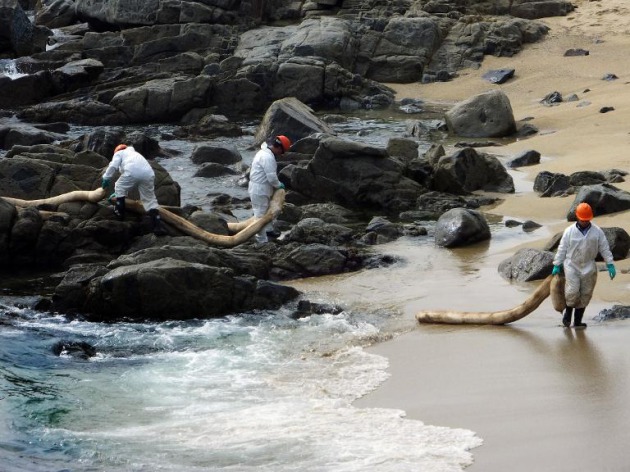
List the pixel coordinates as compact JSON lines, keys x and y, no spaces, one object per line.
{"x":577,"y":252}
{"x":263,"y":180}
{"x":135,"y":171}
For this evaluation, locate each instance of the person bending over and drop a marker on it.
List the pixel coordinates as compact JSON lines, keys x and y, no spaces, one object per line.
{"x":135,"y":172}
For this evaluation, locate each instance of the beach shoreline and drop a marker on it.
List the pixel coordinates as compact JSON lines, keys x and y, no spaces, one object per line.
{"x":542,"y":397}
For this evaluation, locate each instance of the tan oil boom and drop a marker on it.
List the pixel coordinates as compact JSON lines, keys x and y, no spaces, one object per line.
{"x":244,"y":230}
{"x":490,"y":318}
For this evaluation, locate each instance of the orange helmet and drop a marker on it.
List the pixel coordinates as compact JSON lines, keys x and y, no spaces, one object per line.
{"x":120,"y":147}
{"x":584,"y":212}
{"x":283,"y":141}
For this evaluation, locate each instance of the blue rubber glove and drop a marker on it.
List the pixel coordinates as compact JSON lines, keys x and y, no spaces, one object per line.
{"x":611,"y":270}
{"x":105,"y":183}
{"x":282,"y":186}
{"x":556,"y":270}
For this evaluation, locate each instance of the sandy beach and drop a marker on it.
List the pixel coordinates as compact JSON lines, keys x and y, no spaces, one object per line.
{"x":541,"y":397}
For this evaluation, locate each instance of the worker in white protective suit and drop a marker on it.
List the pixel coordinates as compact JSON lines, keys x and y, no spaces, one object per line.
{"x":576,"y":255}
{"x":263,"y":180}
{"x":135,"y":172}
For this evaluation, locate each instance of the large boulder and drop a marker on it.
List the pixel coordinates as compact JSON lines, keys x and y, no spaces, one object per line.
{"x":403,"y":49}
{"x":17,"y":30}
{"x":162,"y":100}
{"x":355,"y":175}
{"x":603,"y":198}
{"x":526,"y":265}
{"x":461,"y":227}
{"x":292,"y":118}
{"x":467,"y":170}
{"x":174,"y":289}
{"x":486,"y":115}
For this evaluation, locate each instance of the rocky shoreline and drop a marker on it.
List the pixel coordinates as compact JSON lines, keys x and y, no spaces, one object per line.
{"x":203,"y":66}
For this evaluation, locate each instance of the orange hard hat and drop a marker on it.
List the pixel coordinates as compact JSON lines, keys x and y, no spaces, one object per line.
{"x":283,"y":141}
{"x":584,"y":212}
{"x":120,"y":147}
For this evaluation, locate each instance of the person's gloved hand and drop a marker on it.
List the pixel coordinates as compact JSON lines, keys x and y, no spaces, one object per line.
{"x":105,"y":183}
{"x":282,"y":186}
{"x":556,"y":270}
{"x":611,"y":270}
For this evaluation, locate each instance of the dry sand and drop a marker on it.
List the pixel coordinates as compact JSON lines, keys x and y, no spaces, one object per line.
{"x":543,"y":398}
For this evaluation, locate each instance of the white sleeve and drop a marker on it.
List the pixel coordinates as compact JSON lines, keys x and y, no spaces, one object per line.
{"x":561,"y":252}
{"x":270,"y":167}
{"x":113,"y":166}
{"x":604,"y":247}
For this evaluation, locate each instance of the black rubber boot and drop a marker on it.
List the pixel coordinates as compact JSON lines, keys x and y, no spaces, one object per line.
{"x":566,"y":319}
{"x":156,"y":223}
{"x":577,"y":322}
{"x":119,"y":208}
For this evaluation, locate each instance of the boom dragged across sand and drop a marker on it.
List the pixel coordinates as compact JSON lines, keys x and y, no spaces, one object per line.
{"x":489,"y":318}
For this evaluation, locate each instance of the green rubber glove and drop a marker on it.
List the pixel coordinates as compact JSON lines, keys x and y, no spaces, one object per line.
{"x":105,"y":183}
{"x":611,"y":270}
{"x":556,"y":270}
{"x":282,"y":186}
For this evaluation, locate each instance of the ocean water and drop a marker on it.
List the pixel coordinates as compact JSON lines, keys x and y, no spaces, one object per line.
{"x":254,"y":392}
{"x":261,"y":391}
{"x":9,"y":69}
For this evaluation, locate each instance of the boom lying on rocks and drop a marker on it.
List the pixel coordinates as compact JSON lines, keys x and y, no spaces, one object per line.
{"x":243,"y":230}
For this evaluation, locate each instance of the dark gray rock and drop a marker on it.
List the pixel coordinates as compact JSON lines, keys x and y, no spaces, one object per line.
{"x":486,"y":115}
{"x":617,"y":312}
{"x":526,"y":265}
{"x":498,"y":76}
{"x":314,"y":230}
{"x":603,"y":198}
{"x":355,"y":175}
{"x":461,"y":227}
{"x":548,"y":184}
{"x":525,"y":158}
{"x":467,"y":170}
{"x":217,"y":154}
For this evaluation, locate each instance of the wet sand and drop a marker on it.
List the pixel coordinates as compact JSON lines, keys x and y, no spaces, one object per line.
{"x":541,"y":397}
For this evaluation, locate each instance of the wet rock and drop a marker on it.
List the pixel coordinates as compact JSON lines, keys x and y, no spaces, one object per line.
{"x":75,"y":349}
{"x":307,"y":308}
{"x":548,"y":184}
{"x":525,"y":158}
{"x":315,"y":230}
{"x":467,"y":170}
{"x":617,"y":312}
{"x":216,"y":154}
{"x":355,"y":175}
{"x":461,"y":227}
{"x":526,"y":265}
{"x":603,"y":198}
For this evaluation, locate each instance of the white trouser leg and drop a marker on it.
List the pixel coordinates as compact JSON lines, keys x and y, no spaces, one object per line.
{"x":260,"y":205}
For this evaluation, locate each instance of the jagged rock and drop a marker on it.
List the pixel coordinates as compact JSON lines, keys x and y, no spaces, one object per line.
{"x":466,"y":171}
{"x":355,"y":175}
{"x":291,"y":118}
{"x":548,"y":184}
